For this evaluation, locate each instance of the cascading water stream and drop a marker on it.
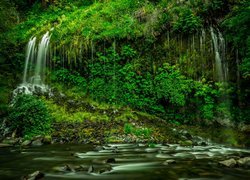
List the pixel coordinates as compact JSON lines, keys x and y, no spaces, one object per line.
{"x":34,"y":79}
{"x":41,"y":60}
{"x":222,"y":74}
{"x":29,"y":57}
{"x":220,"y":57}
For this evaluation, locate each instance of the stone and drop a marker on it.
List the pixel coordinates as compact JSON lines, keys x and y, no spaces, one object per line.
{"x":105,"y":169}
{"x":37,"y":137}
{"x":169,"y":161}
{"x":99,"y":148}
{"x":47,"y":140}
{"x":37,"y":142}
{"x":37,"y":175}
{"x":5,"y":145}
{"x":91,"y":169}
{"x":26,"y":143}
{"x":228,"y":163}
{"x":111,"y":160}
{"x":10,"y":140}
{"x":244,"y":162}
{"x":203,"y":144}
{"x":81,"y":168}
{"x":69,"y":167}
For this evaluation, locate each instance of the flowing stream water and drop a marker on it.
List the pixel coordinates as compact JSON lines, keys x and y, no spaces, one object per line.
{"x":122,"y":161}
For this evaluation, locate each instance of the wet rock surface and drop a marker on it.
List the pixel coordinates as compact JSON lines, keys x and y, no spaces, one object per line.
{"x":228,"y":163}
{"x":37,"y":175}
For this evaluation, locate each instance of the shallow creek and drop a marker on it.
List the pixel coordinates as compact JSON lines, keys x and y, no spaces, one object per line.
{"x":122,"y":161}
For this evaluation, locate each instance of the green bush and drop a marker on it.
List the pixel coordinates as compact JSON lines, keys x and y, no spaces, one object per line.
{"x":171,"y":85}
{"x":187,"y":21}
{"x":70,"y":79}
{"x":137,"y":131}
{"x":29,"y":116}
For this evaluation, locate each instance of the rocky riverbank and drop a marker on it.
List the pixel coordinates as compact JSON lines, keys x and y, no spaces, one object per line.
{"x":144,"y":130}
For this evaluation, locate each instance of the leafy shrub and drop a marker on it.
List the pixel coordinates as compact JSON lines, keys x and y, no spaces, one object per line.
{"x":69,"y":78}
{"x":205,"y":103}
{"x":171,"y":85}
{"x":29,"y":116}
{"x":187,"y":21}
{"x":137,"y":131}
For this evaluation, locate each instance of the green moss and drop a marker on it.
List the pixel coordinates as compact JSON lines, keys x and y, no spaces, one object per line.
{"x":126,"y":116}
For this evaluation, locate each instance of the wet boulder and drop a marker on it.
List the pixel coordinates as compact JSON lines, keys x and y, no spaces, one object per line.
{"x":11,"y":141}
{"x":169,"y":161}
{"x":69,"y":167}
{"x":26,"y":143}
{"x":91,"y":169}
{"x":228,"y":163}
{"x":99,"y":169}
{"x":110,"y":160}
{"x":105,"y":169}
{"x":37,"y":142}
{"x":5,"y":145}
{"x":37,"y":175}
{"x":99,"y":148}
{"x":244,"y":162}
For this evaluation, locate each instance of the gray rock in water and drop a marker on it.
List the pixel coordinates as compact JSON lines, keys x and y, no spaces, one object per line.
{"x":91,"y":169}
{"x":69,"y":167}
{"x":170,"y":161}
{"x":10,"y":140}
{"x":228,"y":163}
{"x":5,"y":145}
{"x":26,"y":143}
{"x":111,"y":160}
{"x":99,"y":148}
{"x":244,"y":162}
{"x":37,"y":142}
{"x":37,"y":175}
{"x":105,"y":169}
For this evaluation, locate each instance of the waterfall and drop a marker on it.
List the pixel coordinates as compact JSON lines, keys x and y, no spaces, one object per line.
{"x":220,"y":55}
{"x":29,"y":57}
{"x":34,"y":78}
{"x":39,"y":74}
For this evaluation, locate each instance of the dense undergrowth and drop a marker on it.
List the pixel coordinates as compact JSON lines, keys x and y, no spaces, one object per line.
{"x":141,"y":55}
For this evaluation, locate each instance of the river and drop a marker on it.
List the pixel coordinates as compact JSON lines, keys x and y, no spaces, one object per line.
{"x":122,"y":161}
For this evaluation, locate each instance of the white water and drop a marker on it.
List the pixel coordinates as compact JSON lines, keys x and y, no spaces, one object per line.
{"x":34,"y":78}
{"x":29,"y":57}
{"x":39,"y":76}
{"x":220,"y":55}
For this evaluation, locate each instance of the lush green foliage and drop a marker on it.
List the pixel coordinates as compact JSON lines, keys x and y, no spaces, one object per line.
{"x":138,"y":131}
{"x":112,"y":77}
{"x":69,"y":79}
{"x":29,"y":116}
{"x":186,"y":22}
{"x":76,"y":20}
{"x":237,"y":26}
{"x":171,"y":86}
{"x":141,"y":54}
